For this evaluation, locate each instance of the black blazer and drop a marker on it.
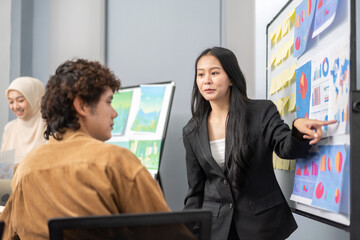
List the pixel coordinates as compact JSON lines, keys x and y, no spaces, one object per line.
{"x":259,"y":210}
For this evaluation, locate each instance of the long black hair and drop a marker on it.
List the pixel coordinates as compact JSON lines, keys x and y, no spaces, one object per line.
{"x":236,"y":131}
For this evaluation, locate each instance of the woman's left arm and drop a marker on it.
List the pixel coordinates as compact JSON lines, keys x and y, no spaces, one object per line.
{"x":311,"y":128}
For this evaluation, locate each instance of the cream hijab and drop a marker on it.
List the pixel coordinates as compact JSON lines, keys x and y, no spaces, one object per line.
{"x":21,"y":135}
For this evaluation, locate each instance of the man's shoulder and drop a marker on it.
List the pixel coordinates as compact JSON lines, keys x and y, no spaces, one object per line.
{"x":83,"y":154}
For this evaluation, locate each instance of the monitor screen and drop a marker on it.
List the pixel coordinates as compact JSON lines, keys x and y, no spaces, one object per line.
{"x":143,"y":115}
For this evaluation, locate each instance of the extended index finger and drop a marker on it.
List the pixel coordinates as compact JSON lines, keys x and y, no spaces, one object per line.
{"x":324,"y":123}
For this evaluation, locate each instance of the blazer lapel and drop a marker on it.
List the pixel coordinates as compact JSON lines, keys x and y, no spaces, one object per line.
{"x":204,"y":143}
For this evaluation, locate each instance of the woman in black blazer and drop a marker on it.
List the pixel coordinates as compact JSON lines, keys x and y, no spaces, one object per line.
{"x":229,"y":143}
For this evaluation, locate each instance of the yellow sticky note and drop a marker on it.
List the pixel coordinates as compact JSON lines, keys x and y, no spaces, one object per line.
{"x":278,"y":56}
{"x":285,"y":103}
{"x":280,"y":107}
{"x":279,"y":82}
{"x":274,"y":160}
{"x":291,"y":46}
{"x":286,"y":77}
{"x":291,"y":15}
{"x":286,"y":164}
{"x":273,"y":86}
{"x":292,"y":103}
{"x":272,"y":58}
{"x":286,"y":51}
{"x":278,"y":33}
{"x":292,"y":73}
{"x":285,"y":27}
{"x":279,"y":163}
{"x":292,"y":165}
{"x":273,"y":37}
{"x":283,"y":51}
{"x":283,"y":74}
{"x":278,"y":104}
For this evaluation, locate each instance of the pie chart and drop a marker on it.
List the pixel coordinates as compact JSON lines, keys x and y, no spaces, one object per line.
{"x":303,"y":85}
{"x":297,"y":43}
{"x":319,"y":191}
{"x":320,"y":4}
{"x":337,"y":195}
{"x":329,"y":164}
{"x":338,"y":161}
{"x":308,"y":8}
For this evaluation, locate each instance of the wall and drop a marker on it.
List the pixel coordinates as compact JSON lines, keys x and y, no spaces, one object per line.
{"x":40,"y":40}
{"x":30,"y":39}
{"x":77,"y":30}
{"x":239,"y":36}
{"x":159,"y":40}
{"x":5,"y":36}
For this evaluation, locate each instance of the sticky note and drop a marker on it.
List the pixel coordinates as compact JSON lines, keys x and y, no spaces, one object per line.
{"x":278,"y":56}
{"x":278,"y":33}
{"x":286,"y":79}
{"x":272,"y":58}
{"x":291,"y":15}
{"x":280,"y":107}
{"x":285,"y":27}
{"x":273,"y":86}
{"x":292,"y":73}
{"x":279,"y":163}
{"x":286,"y":51}
{"x":286,"y":164}
{"x":273,"y":38}
{"x":292,"y":165}
{"x":274,"y":160}
{"x":292,"y":103}
{"x":285,"y":103}
{"x":279,"y":82}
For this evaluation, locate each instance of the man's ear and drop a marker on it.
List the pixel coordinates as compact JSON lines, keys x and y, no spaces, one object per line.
{"x":79,"y":106}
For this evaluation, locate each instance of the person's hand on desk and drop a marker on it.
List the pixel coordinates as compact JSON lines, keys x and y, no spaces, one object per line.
{"x":311,"y":128}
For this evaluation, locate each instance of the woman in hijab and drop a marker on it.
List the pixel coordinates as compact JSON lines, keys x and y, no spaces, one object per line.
{"x":26,"y":132}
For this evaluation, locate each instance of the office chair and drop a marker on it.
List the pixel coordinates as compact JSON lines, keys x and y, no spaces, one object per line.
{"x":149,"y":226}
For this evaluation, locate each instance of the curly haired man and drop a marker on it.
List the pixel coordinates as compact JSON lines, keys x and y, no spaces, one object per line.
{"x":76,"y":173}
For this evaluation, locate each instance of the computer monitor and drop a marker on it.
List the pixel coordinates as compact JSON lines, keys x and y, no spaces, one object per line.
{"x":150,"y":226}
{"x":142,"y":120}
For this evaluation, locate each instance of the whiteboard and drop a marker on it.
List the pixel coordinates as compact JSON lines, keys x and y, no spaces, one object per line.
{"x":304,"y":40}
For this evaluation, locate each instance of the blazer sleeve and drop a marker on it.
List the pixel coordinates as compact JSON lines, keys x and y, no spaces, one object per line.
{"x":196,"y":177}
{"x":279,"y":137}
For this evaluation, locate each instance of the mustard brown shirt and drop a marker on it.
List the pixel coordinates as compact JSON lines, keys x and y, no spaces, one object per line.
{"x":77,"y":176}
